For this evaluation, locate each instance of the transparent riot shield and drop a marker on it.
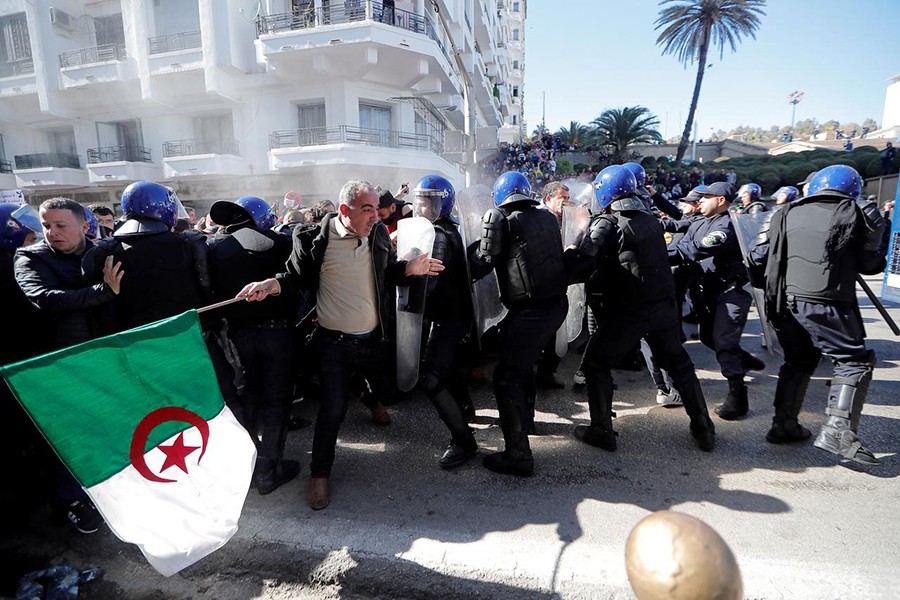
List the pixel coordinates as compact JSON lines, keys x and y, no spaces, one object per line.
{"x":575,"y":222}
{"x":746,"y":227}
{"x":415,"y":236}
{"x":471,"y":204}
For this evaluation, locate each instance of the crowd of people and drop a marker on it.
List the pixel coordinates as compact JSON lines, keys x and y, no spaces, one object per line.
{"x":322,"y":319}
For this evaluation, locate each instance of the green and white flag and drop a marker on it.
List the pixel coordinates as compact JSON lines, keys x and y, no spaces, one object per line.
{"x":139,"y":420}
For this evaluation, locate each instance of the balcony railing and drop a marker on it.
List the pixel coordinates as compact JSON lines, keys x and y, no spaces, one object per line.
{"x":107,"y":154}
{"x":348,"y":12}
{"x":46,"y":160}
{"x":175,"y":41}
{"x":95,"y":54}
{"x":5,"y":166}
{"x":17,"y":67}
{"x":347,"y":134}
{"x":199,"y":146}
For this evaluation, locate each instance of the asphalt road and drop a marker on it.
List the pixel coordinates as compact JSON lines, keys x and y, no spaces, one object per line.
{"x":801,"y":524}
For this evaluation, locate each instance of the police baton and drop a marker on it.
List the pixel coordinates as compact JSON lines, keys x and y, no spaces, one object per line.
{"x":884,"y":313}
{"x":232,"y":301}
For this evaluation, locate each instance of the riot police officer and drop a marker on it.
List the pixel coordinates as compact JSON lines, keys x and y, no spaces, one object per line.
{"x":812,"y":250}
{"x":247,"y":249}
{"x":747,"y":194}
{"x":632,"y":293}
{"x":523,"y":243}
{"x":710,"y":250}
{"x":166,"y":273}
{"x":448,"y":307}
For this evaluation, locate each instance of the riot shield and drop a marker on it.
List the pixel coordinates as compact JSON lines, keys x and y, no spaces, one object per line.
{"x":415,"y":236}
{"x":575,"y":222}
{"x":746,"y":227}
{"x":471,"y":204}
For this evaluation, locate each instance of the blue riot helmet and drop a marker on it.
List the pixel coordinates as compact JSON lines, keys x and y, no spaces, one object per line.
{"x":749,"y":188}
{"x":839,"y":179}
{"x":640,"y":175}
{"x":259,"y":210}
{"x":12,"y":232}
{"x":247,"y":209}
{"x":612,"y":186}
{"x":785,"y":194}
{"x":510,"y":187}
{"x":433,"y":197}
{"x":93,"y":231}
{"x":28,"y":217}
{"x":147,"y":204}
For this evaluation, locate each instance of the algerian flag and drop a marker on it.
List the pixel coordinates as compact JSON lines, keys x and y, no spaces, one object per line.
{"x":139,"y":420}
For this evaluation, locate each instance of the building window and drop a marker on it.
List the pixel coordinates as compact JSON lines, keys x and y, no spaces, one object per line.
{"x":311,"y":116}
{"x":216,"y":132}
{"x":109,"y":30}
{"x":374,"y":117}
{"x":516,"y":65}
{"x":515,"y":35}
{"x":515,"y":120}
{"x":15,"y":43}
{"x":515,"y":92}
{"x":515,"y":7}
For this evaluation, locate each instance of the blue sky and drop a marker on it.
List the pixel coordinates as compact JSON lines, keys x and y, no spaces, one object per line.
{"x":590,"y":55}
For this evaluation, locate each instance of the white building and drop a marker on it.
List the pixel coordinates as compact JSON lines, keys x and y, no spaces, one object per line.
{"x":224,"y":98}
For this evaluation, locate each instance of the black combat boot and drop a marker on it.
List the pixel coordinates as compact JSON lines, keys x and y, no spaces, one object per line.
{"x":735,"y":405}
{"x":839,"y":434}
{"x":702,"y":428}
{"x":600,"y":432}
{"x":516,"y":459}
{"x":789,"y":393}
{"x":462,"y":443}
{"x":272,"y":471}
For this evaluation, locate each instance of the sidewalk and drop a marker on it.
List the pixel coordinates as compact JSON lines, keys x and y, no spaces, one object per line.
{"x":801,"y":524}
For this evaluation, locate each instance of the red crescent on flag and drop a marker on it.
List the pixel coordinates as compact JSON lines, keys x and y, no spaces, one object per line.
{"x":146,"y":426}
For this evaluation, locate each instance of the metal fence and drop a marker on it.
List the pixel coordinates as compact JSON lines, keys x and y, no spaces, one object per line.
{"x":348,"y":11}
{"x":5,"y":166}
{"x":17,"y":67}
{"x":48,"y":160}
{"x":107,"y":154}
{"x":95,"y":54}
{"x":175,"y":41}
{"x":346,"y":134}
{"x":199,"y":146}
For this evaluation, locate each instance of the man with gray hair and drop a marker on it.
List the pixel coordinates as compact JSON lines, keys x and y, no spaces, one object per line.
{"x":346,"y":264}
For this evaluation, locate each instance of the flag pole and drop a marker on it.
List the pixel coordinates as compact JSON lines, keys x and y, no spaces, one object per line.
{"x":220,"y":304}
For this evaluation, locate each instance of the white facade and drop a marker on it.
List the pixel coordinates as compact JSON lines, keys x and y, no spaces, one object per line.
{"x":225,"y":98}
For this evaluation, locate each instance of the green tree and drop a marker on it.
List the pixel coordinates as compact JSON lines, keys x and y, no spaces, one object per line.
{"x":575,"y":134}
{"x":622,"y":128}
{"x":690,"y":27}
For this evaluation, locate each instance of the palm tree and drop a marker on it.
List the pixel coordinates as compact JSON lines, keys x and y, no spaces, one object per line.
{"x":691,"y":26}
{"x":574,"y":135}
{"x":622,"y":128}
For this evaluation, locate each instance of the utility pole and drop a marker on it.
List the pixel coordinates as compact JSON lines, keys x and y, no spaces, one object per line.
{"x":544,"y":114}
{"x":794,"y":99}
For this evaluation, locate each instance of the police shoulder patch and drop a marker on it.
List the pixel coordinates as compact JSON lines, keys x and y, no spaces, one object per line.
{"x":714,"y":238}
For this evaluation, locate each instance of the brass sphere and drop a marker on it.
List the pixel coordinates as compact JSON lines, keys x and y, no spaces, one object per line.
{"x":673,"y":556}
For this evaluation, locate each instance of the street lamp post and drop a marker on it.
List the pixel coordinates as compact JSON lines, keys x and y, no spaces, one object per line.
{"x":794,"y":99}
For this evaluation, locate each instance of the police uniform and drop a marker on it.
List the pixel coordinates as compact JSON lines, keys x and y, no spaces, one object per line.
{"x":448,"y":308}
{"x":262,"y":333}
{"x":813,"y":249}
{"x":523,"y":244}
{"x":710,"y":255}
{"x":632,"y":294}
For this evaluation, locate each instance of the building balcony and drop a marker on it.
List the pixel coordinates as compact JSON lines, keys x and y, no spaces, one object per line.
{"x":185,"y":40}
{"x":49,"y":171}
{"x":5,"y":166}
{"x":116,"y":164}
{"x":92,"y":55}
{"x":347,"y":134}
{"x":7,"y":178}
{"x":360,"y":41}
{"x":108,"y":154}
{"x":17,"y":78}
{"x":198,"y":158}
{"x":15,"y":68}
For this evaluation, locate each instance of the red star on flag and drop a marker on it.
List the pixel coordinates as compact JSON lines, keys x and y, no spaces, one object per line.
{"x":176,"y":453}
